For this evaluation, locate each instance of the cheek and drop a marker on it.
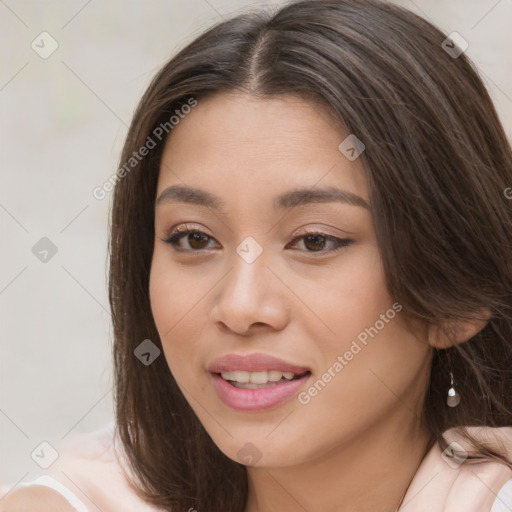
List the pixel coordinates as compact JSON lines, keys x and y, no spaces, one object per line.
{"x":372,"y":354}
{"x":162,"y":295}
{"x":174,"y":289}
{"x":177,"y":295}
{"x":170,"y":297}
{"x":352,"y":297}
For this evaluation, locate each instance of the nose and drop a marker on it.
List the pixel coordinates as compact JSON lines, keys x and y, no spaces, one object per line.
{"x":250,"y":297}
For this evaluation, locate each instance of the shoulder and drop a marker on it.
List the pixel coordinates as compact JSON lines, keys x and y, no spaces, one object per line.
{"x":80,"y":457}
{"x":93,"y":467}
{"x":35,"y":498}
{"x":453,"y":480}
{"x":503,"y":502}
{"x":90,"y":473}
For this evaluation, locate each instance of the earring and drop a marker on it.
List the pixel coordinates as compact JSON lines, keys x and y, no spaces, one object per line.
{"x":453,"y":398}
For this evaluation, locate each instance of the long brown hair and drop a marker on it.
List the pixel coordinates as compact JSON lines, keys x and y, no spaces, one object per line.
{"x":437,"y":163}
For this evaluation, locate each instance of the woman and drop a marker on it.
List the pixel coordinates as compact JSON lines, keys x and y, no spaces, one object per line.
{"x":310,"y":276}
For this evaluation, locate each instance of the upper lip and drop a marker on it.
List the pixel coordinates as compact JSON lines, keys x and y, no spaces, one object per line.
{"x":253,"y":363}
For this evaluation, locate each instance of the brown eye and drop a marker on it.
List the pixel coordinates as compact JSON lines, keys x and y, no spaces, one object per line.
{"x":316,"y":242}
{"x":196,"y":240}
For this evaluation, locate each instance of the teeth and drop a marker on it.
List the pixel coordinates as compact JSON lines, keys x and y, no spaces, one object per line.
{"x":257,"y":377}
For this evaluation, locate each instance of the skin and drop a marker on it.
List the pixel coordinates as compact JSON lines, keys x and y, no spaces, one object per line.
{"x":357,"y":444}
{"x":34,"y":498}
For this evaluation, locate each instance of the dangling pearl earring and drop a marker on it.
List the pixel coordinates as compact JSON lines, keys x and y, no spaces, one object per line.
{"x":453,"y":398}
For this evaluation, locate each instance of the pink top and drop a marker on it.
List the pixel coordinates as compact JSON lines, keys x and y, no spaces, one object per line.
{"x":88,"y":474}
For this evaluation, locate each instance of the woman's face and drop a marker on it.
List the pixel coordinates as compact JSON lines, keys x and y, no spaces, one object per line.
{"x":297,"y":277}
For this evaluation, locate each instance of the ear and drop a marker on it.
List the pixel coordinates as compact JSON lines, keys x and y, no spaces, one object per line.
{"x":455,"y":331}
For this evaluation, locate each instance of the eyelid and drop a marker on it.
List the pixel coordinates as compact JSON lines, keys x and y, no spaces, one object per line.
{"x":182,"y":228}
{"x":175,"y":235}
{"x":341,"y":243}
{"x":320,"y":229}
{"x":180,"y":232}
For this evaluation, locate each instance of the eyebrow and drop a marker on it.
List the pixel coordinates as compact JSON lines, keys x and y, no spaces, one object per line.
{"x":293,"y":198}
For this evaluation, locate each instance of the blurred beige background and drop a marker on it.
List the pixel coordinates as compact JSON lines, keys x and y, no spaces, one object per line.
{"x":63,"y":119}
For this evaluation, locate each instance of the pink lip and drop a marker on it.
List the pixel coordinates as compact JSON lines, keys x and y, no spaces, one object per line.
{"x":256,"y":399}
{"x":253,"y":363}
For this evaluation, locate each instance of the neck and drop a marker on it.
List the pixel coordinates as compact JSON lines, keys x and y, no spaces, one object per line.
{"x":371,"y":471}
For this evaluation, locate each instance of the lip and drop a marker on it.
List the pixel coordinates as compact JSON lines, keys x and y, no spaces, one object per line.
{"x":257,"y":362}
{"x":241,"y":399}
{"x":247,"y":400}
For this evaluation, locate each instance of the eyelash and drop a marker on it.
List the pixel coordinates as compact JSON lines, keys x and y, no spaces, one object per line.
{"x":180,"y":232}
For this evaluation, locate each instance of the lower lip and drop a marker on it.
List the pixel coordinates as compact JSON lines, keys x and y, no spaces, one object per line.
{"x":256,"y":399}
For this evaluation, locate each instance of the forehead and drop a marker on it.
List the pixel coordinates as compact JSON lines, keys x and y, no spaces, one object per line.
{"x":234,"y":142}
{"x":277,"y":124}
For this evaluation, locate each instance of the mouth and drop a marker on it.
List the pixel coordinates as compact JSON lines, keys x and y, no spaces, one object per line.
{"x":257,"y":391}
{"x":259,"y":380}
